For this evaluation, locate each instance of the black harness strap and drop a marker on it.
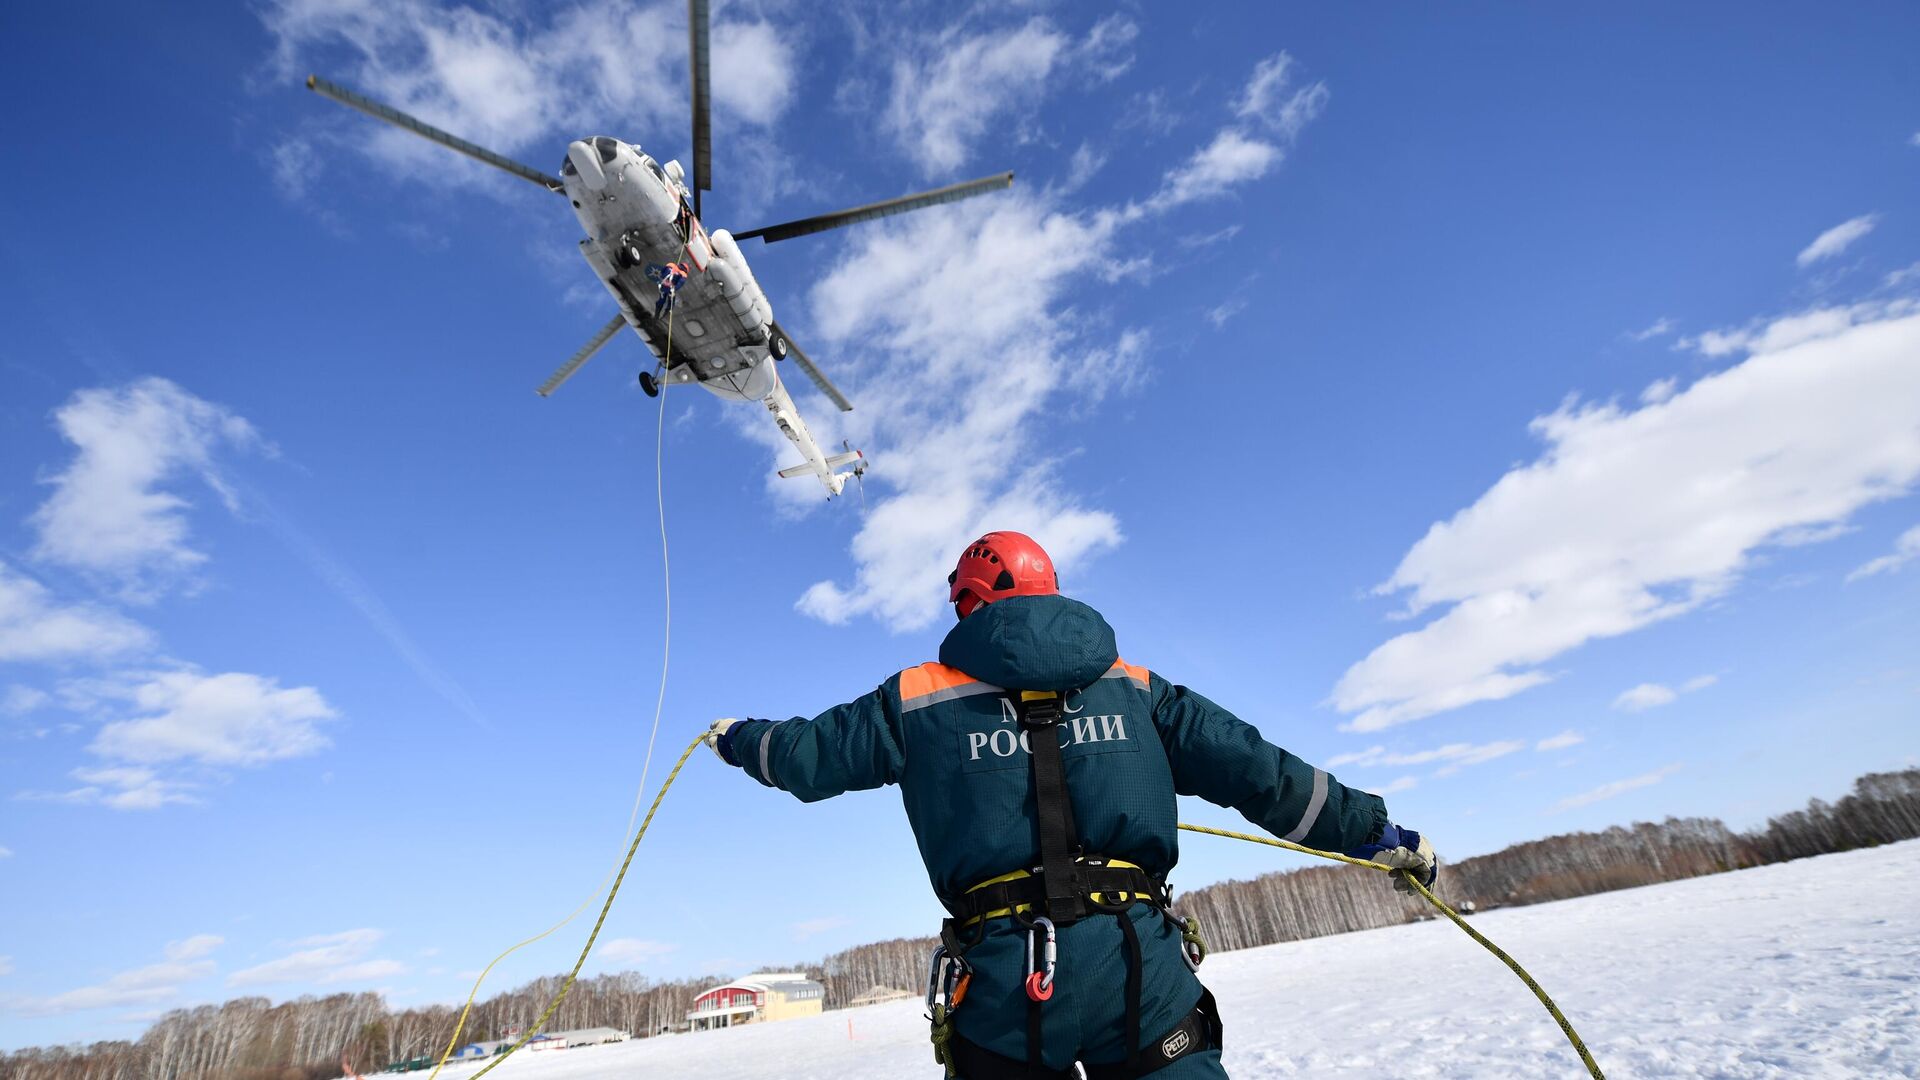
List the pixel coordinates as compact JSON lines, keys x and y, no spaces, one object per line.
{"x":1065,"y":882}
{"x":1066,"y":893}
{"x":1135,"y":962}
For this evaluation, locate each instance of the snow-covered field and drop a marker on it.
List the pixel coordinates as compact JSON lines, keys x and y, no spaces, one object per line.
{"x":1808,"y":969}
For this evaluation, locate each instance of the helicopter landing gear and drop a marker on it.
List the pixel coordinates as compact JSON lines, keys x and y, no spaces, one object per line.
{"x":629,"y":250}
{"x":776,"y":345}
{"x":649,"y":385}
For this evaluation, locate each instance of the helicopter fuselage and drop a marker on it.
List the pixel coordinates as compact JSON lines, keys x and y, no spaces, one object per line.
{"x":721,"y":335}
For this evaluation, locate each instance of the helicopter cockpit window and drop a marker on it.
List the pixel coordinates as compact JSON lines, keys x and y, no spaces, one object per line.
{"x":607,"y":147}
{"x":654,"y":168}
{"x":567,"y":169}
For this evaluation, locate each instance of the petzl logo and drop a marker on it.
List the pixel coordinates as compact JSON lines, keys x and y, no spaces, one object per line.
{"x":1170,"y":1047}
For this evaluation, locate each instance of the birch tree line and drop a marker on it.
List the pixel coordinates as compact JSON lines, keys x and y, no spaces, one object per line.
{"x":305,"y":1039}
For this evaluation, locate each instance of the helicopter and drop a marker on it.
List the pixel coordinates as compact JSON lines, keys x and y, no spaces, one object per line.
{"x":642,"y":220}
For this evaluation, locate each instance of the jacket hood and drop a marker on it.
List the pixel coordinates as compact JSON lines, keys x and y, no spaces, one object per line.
{"x":1032,"y":643}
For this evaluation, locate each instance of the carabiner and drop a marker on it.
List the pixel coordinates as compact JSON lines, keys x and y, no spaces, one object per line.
{"x":1192,"y":946}
{"x":1040,"y":976}
{"x":947,"y":979}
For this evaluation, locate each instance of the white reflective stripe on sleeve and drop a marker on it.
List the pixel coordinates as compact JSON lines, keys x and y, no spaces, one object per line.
{"x":1314,"y":804}
{"x":766,"y":738}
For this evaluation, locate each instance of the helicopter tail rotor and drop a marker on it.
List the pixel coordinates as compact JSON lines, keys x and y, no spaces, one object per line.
{"x":859,"y":473}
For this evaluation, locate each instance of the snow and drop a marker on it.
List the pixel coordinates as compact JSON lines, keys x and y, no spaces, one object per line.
{"x":1806,"y":969}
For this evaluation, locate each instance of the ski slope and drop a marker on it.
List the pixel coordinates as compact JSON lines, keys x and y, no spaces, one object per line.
{"x":1807,"y":969}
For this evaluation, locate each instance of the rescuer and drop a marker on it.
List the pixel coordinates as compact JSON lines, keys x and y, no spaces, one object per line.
{"x":1039,"y":771}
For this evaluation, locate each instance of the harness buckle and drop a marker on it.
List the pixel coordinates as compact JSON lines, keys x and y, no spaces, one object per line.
{"x":1040,"y":977}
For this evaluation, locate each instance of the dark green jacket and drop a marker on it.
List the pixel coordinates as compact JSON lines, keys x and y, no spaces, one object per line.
{"x":1132,"y":740}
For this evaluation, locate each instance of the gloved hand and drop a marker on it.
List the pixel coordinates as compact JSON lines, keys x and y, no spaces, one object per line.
{"x":1402,"y":849}
{"x":719,"y":738}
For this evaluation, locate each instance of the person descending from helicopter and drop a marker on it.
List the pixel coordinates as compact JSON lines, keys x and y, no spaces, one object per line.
{"x":670,"y":277}
{"x":1039,"y":772}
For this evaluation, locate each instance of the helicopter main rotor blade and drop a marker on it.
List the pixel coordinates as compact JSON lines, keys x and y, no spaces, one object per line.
{"x":427,"y":131}
{"x":697,"y":25}
{"x":794,"y":354}
{"x":565,"y":371}
{"x":822,"y":222}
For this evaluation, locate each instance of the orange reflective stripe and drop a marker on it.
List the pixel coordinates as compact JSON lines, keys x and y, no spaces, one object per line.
{"x":925,"y":679}
{"x":930,"y":683}
{"x":1141,"y":676}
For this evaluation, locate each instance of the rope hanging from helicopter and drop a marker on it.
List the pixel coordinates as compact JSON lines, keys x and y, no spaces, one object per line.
{"x":618,"y":872}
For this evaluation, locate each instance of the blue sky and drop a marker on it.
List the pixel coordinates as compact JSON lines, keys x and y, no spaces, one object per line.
{"x":1517,"y":411}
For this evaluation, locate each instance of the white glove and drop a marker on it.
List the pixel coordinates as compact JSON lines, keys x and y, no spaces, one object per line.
{"x":1420,"y":859}
{"x":720,"y":727}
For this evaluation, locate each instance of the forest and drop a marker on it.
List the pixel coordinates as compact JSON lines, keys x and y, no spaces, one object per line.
{"x":308,"y":1038}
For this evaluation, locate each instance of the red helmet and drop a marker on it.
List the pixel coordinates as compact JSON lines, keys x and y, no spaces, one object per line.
{"x":999,"y":565}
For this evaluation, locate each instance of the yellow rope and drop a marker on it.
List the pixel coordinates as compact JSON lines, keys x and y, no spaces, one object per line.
{"x":1513,"y":965}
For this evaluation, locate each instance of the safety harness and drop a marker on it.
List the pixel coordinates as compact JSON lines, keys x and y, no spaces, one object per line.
{"x":1068,"y":885}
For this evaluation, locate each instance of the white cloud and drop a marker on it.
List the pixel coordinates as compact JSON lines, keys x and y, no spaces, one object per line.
{"x":1836,"y":240}
{"x":1643,"y":697}
{"x":1232,"y":158}
{"x":968,"y":304}
{"x":1236,"y":155}
{"x":1265,"y":98}
{"x":1618,"y":787}
{"x":1221,"y":313}
{"x":1404,"y":783}
{"x":953,"y":89}
{"x":195,"y":947}
{"x":325,"y":959}
{"x":1218,"y":236}
{"x":6,"y":853}
{"x":1560,"y":742}
{"x":1658,"y":391}
{"x":807,"y":928}
{"x":1775,"y":335}
{"x":1454,"y":755}
{"x":1653,"y":695}
{"x":33,"y":626}
{"x":517,"y":84}
{"x":975,"y":350}
{"x":118,"y":788}
{"x":294,"y":163}
{"x":155,"y":984}
{"x":1107,"y":50}
{"x":963,"y":84}
{"x":21,"y":700}
{"x":228,"y":719}
{"x":111,"y":513}
{"x":1905,"y":550}
{"x":6,"y":965}
{"x":1085,"y":164}
{"x":1631,"y":517}
{"x":631,"y":951}
{"x":1660,"y":327}
{"x":753,"y":71}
